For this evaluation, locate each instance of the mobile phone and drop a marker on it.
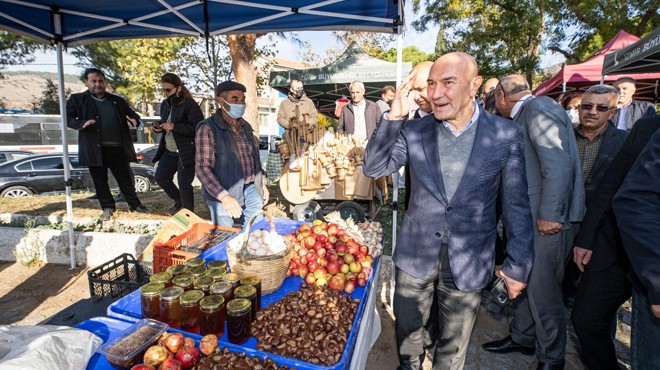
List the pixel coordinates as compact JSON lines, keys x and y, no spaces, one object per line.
{"x":499,"y":292}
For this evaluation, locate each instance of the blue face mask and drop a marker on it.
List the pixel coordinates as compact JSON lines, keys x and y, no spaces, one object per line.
{"x":235,"y":111}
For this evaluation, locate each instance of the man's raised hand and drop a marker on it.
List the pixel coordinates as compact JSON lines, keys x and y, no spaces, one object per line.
{"x":403,"y":98}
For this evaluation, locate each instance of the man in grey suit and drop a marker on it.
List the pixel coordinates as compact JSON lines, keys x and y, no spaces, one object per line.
{"x":556,"y":195}
{"x":459,"y":158}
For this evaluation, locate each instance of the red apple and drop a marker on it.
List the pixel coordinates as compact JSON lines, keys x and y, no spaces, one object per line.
{"x":310,"y":279}
{"x":300,"y":237}
{"x":322,"y":252}
{"x":365,"y":262}
{"x":366,"y":270}
{"x":318,"y":245}
{"x":303,"y":251}
{"x":332,"y":229}
{"x":332,"y":239}
{"x":312,"y":256}
{"x":295,"y":271}
{"x":364,"y":250}
{"x":369,"y":258}
{"x":322,"y":261}
{"x":309,"y":242}
{"x":316,"y":222}
{"x":323,"y":270}
{"x":324,"y":225}
{"x":358,"y":256}
{"x":316,"y":229}
{"x":361,"y":282}
{"x":328,"y":246}
{"x":289,"y":273}
{"x":319,"y":273}
{"x":332,"y":256}
{"x":303,"y":260}
{"x":355,"y":267}
{"x":349,"y":287}
{"x":344,"y":268}
{"x":340,"y":248}
{"x":295,"y":259}
{"x":348,"y":258}
{"x":336,"y":282}
{"x":333,"y":267}
{"x":344,"y":238}
{"x":312,"y":266}
{"x":322,"y":238}
{"x":303,"y":271}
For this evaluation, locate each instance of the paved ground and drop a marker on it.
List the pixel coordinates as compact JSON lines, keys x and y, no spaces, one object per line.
{"x":30,"y":295}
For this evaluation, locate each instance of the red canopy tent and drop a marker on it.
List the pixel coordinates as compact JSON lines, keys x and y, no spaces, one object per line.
{"x":575,"y":77}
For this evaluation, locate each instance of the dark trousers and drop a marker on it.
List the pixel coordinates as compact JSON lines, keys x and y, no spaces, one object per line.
{"x":168,"y":165}
{"x":457,"y":311}
{"x":114,"y":158}
{"x":598,"y":297}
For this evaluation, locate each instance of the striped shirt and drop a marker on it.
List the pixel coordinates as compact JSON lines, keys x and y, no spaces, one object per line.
{"x":588,"y":150}
{"x":205,"y":142}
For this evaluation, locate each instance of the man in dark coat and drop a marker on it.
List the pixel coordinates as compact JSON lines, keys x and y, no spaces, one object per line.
{"x":359,"y":117}
{"x":104,"y":141}
{"x":630,"y":110}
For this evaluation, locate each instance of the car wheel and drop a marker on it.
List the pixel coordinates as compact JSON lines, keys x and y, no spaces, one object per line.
{"x":142,"y":184}
{"x":16,"y":192}
{"x":351,"y":209}
{"x":307,"y":212}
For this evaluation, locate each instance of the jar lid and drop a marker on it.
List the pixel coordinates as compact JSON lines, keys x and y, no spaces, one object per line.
{"x":238,"y":306}
{"x":221,"y":287}
{"x":177,"y":270}
{"x":161,"y":277}
{"x":152,"y":288}
{"x":231,"y":277}
{"x":191,"y":296}
{"x":250,"y":280}
{"x":194,"y":262}
{"x":203,"y":282}
{"x":197,"y":271}
{"x":212,"y":302}
{"x":183,"y":280}
{"x":245,"y":291}
{"x":217,"y":264}
{"x":171,"y":293}
{"x":217,"y":274}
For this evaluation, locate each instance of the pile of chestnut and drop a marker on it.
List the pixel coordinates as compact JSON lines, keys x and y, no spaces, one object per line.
{"x":311,"y":324}
{"x":225,"y":359}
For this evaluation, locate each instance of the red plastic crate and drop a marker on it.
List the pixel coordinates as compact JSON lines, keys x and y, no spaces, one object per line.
{"x":170,"y":253}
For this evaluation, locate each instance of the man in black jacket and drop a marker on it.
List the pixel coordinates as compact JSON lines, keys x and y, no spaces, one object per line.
{"x":104,"y":141}
{"x":630,"y":110}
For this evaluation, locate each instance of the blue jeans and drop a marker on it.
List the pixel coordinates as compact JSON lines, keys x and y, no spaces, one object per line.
{"x":253,"y":203}
{"x":645,"y":336}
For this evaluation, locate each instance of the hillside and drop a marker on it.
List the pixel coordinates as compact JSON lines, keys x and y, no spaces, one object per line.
{"x":18,"y":89}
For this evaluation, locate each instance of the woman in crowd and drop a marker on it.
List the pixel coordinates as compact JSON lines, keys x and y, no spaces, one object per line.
{"x":179,"y":115}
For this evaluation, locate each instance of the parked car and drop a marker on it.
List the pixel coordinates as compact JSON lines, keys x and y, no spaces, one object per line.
{"x":44,"y":174}
{"x":266,"y":143}
{"x":146,"y":156}
{"x":12,"y":155}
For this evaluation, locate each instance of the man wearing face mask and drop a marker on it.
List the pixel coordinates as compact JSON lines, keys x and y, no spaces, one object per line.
{"x":297,"y":107}
{"x":227,"y":160}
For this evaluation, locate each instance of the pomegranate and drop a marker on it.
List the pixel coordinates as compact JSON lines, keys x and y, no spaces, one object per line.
{"x":187,"y":356}
{"x":170,"y":364}
{"x":174,"y":342}
{"x":163,"y":339}
{"x":188,"y":342}
{"x":143,"y":367}
{"x":209,"y":344}
{"x":155,"y":356}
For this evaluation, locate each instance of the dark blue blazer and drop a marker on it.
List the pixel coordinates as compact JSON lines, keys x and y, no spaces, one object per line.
{"x":468,"y":223}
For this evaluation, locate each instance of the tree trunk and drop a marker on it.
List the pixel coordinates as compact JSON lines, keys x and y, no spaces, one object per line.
{"x":242,"y":51}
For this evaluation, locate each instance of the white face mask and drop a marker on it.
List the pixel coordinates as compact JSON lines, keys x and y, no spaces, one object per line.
{"x":573,"y":115}
{"x":235,"y":111}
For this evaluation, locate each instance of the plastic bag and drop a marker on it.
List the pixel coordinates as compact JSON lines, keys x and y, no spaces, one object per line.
{"x":46,"y":347}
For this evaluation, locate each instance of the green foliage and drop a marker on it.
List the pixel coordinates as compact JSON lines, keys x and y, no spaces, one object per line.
{"x":50,"y":98}
{"x":409,"y":54}
{"x":372,"y":43}
{"x":203,"y":64}
{"x":15,"y":49}
{"x":30,"y":254}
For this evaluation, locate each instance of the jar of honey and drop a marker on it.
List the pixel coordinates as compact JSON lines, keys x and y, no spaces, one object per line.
{"x":212,"y":315}
{"x":238,"y":320}
{"x":150,"y":299}
{"x":177,"y":270}
{"x":233,"y":279}
{"x":216,"y":274}
{"x":254,"y":281}
{"x":162,"y":277}
{"x":184,"y":281}
{"x":217,"y":265}
{"x":249,"y":293}
{"x":170,"y":306}
{"x":197,"y":271}
{"x":203,"y":283}
{"x":195,"y":262}
{"x":190,"y":310}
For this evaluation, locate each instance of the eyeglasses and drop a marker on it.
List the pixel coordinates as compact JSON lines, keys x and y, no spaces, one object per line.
{"x":599,"y":107}
{"x":167,"y":90}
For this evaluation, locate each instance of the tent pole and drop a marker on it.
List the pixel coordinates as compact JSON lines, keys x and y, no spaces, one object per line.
{"x":563,"y":87}
{"x":602,"y":79}
{"x":65,"y":152}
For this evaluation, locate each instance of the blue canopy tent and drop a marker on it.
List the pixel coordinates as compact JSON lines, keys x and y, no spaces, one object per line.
{"x":74,"y":22}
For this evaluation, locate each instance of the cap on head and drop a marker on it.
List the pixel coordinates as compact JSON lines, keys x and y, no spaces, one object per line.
{"x":229,"y":86}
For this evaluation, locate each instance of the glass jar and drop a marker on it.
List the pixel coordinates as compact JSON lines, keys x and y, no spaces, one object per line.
{"x":197,"y":271}
{"x":190,"y":310}
{"x":224,"y":289}
{"x":217,"y":265}
{"x":203,"y":283}
{"x":184,"y":281}
{"x":238,"y":320}
{"x":170,"y":306}
{"x":212,"y":315}
{"x":254,"y":281}
{"x":150,"y":299}
{"x":195,"y":262}
{"x":176,"y":270}
{"x":249,"y":293}
{"x":233,"y":279}
{"x":162,"y":277}
{"x":216,"y":274}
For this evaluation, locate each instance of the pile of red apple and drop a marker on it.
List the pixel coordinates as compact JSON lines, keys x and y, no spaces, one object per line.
{"x":324,"y":254}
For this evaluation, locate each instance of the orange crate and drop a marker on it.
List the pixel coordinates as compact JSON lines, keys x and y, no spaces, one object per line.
{"x":179,"y":249}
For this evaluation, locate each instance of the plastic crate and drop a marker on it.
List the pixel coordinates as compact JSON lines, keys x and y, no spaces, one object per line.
{"x":189,"y":244}
{"x":118,"y":277}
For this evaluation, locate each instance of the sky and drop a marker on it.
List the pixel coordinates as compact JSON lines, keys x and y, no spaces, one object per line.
{"x":320,"y":41}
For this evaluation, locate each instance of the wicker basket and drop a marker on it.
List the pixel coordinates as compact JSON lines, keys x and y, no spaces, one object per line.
{"x":270,"y":269}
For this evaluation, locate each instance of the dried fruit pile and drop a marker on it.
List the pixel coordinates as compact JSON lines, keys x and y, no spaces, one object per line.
{"x":225,"y":359}
{"x":311,"y":324}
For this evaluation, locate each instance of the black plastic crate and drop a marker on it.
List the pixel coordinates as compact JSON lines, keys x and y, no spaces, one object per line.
{"x":118,"y":277}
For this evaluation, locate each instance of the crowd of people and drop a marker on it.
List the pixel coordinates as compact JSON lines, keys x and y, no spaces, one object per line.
{"x":573,"y":183}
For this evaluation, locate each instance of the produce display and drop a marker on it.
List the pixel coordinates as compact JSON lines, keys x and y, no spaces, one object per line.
{"x":311,"y":324}
{"x":225,"y":359}
{"x":369,"y":233}
{"x":260,"y":243}
{"x":325,"y":254}
{"x":127,"y":349}
{"x":176,"y":352}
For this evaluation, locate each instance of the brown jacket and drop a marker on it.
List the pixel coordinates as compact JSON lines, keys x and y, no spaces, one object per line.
{"x":306,"y":110}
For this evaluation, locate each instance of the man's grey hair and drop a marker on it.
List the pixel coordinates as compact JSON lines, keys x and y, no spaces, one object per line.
{"x":512,"y":85}
{"x":603,"y":89}
{"x":357,"y":83}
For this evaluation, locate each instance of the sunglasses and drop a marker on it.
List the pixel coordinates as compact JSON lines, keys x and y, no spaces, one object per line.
{"x":167,"y":90}
{"x":599,"y":107}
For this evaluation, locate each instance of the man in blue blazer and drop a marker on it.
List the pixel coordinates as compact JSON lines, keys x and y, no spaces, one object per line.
{"x":459,"y":159}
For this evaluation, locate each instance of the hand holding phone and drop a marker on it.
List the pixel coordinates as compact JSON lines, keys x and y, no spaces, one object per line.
{"x":499,"y":292}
